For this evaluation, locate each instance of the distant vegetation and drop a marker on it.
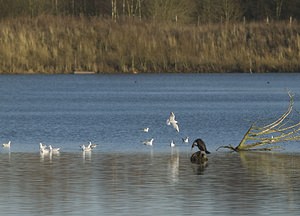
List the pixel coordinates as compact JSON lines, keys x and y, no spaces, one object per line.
{"x":55,"y":36}
{"x":184,"y":11}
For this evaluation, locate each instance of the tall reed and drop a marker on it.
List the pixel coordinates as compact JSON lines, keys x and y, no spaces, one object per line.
{"x":51,"y":44}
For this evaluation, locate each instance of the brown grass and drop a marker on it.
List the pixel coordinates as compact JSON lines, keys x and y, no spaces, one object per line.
{"x":49,"y":44}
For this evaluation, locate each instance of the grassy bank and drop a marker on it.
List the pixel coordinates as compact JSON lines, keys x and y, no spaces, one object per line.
{"x":49,"y":44}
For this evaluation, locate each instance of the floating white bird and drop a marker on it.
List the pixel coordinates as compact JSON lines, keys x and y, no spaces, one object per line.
{"x":172,"y":144}
{"x":42,"y":146}
{"x":171,"y":121}
{"x":91,"y":145}
{"x":44,"y":149}
{"x":146,"y":130}
{"x":86,"y":148}
{"x":6,"y":145}
{"x":54,"y":150}
{"x":148,"y":142}
{"x":185,"y":140}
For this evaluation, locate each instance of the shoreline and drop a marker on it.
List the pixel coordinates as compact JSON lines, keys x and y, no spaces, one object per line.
{"x":148,"y":73}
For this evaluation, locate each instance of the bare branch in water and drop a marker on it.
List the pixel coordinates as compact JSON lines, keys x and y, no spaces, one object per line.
{"x":278,"y":131}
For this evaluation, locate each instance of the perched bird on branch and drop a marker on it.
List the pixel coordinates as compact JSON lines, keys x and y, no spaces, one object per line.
{"x":199,"y":157}
{"x":201,"y":145}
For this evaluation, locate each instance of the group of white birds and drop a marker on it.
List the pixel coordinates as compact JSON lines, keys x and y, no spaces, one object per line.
{"x":44,"y":149}
{"x":88,"y":148}
{"x":170,"y":121}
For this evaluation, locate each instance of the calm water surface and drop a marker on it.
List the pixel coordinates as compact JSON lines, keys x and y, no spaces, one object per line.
{"x":124,"y":177}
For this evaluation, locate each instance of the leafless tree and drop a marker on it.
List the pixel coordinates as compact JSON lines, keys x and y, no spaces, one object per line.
{"x":278,"y":6}
{"x":114,"y":9}
{"x":219,"y":10}
{"x":170,"y":10}
{"x":132,"y":8}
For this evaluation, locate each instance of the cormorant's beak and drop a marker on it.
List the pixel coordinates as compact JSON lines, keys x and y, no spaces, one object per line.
{"x":194,"y":144}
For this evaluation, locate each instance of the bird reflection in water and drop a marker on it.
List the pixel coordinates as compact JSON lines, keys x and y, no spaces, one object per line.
{"x":48,"y":155}
{"x":173,"y":165}
{"x":86,"y":155}
{"x":199,"y":168}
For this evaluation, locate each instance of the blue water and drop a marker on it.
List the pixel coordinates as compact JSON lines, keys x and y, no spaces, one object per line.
{"x":111,"y":110}
{"x":124,"y":177}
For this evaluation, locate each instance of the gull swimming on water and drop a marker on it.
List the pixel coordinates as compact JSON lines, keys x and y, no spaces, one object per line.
{"x":171,"y":121}
{"x":54,"y":150}
{"x":88,"y":148}
{"x":44,"y":149}
{"x":185,"y":140}
{"x":172,"y":144}
{"x":6,"y":145}
{"x":42,"y":146}
{"x":146,"y":130}
{"x":149,"y":142}
{"x":92,"y":146}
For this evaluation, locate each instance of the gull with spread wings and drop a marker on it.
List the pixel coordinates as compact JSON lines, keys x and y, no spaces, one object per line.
{"x":171,"y":121}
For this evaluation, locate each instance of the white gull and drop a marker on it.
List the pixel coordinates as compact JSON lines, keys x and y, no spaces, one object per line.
{"x":44,"y":149}
{"x":172,"y":121}
{"x":172,"y":144}
{"x":148,"y":142}
{"x":6,"y":145}
{"x":54,"y":150}
{"x":185,"y":140}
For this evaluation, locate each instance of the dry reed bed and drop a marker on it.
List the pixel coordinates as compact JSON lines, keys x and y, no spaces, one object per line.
{"x":49,"y":44}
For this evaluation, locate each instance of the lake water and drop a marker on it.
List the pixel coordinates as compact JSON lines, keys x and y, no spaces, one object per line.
{"x":124,"y":177}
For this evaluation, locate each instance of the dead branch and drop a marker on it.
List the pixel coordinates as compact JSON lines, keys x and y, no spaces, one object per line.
{"x":278,"y":131}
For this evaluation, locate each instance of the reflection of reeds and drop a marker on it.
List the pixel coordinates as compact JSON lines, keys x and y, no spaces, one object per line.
{"x":278,"y":168}
{"x":49,"y":44}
